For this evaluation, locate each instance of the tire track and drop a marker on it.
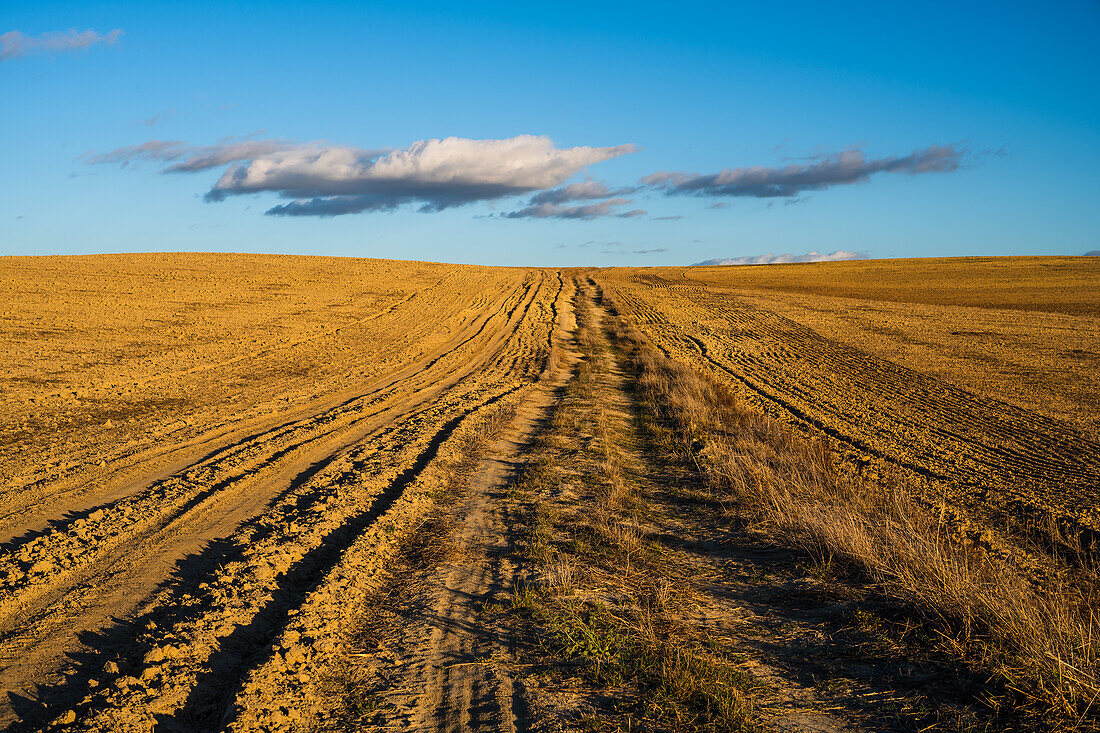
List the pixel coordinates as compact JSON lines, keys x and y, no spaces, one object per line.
{"x":453,"y":672}
{"x":453,"y":693}
{"x":132,"y":471}
{"x":195,"y":525}
{"x":987,"y":453}
{"x":55,"y":559}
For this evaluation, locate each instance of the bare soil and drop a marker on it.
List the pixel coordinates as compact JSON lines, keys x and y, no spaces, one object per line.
{"x":244,"y":493}
{"x":991,"y":407}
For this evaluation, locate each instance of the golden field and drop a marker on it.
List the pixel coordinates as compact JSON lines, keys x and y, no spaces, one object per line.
{"x":159,"y":408}
{"x":250,"y":492}
{"x":981,"y":376}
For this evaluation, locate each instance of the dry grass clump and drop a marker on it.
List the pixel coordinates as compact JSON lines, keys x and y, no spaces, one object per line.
{"x":687,"y":688}
{"x":560,"y":575}
{"x":1040,"y":641}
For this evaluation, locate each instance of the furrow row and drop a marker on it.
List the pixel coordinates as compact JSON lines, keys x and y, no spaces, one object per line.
{"x":990,"y":451}
{"x":331,"y":489}
{"x":34,"y":568}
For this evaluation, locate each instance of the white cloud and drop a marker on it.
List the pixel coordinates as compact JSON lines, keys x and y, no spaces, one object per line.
{"x":191,"y":158}
{"x":15,"y":44}
{"x":582,"y":191}
{"x":152,"y":150}
{"x":330,"y":180}
{"x":215,"y":156}
{"x":551,"y":204}
{"x":608,"y":207}
{"x":837,"y":169}
{"x":436,"y":174}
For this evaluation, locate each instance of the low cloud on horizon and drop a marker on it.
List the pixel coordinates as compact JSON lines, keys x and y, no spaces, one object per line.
{"x":781,"y":259}
{"x":16,"y":44}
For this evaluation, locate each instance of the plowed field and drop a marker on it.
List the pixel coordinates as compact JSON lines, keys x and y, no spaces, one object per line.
{"x":213,"y":467}
{"x":982,"y":377}
{"x":193,"y":446}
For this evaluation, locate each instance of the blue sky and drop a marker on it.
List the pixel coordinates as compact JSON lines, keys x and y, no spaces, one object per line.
{"x":814,"y":111}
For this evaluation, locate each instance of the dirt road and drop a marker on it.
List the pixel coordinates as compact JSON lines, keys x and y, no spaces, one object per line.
{"x":453,"y":670}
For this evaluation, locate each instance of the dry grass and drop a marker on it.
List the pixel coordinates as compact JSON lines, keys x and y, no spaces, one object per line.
{"x":604,"y":606}
{"x":687,"y":688}
{"x":977,"y":381}
{"x":1040,"y":641}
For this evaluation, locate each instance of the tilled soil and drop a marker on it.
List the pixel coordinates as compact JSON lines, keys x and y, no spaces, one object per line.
{"x":203,"y":489}
{"x":154,"y":606}
{"x":991,"y":439}
{"x":445,"y":668}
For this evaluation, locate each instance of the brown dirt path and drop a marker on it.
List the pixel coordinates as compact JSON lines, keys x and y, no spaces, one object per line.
{"x":450,"y":671}
{"x":672,"y":566}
